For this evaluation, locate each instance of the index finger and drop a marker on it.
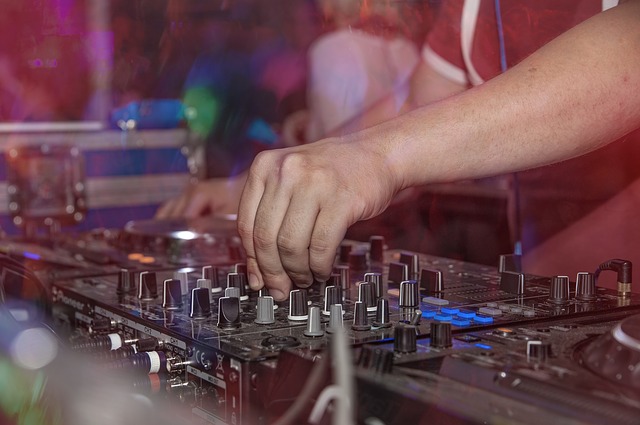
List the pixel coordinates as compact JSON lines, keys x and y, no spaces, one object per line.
{"x":249,"y":202}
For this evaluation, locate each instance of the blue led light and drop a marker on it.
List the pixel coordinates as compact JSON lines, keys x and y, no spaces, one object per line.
{"x":449,"y":310}
{"x":467,"y":314}
{"x":31,"y":255}
{"x":429,"y":314}
{"x":443,"y":318}
{"x":460,"y":322}
{"x":483,"y":319}
{"x":483,"y":346}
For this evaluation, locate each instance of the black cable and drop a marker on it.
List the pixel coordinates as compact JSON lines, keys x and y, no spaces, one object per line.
{"x":624,"y":270}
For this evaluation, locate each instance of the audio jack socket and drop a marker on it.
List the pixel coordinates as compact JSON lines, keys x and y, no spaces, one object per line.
{"x":176,"y":364}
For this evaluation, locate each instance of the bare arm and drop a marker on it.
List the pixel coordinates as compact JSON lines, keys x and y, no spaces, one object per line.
{"x":425,"y":86}
{"x":572,"y":96}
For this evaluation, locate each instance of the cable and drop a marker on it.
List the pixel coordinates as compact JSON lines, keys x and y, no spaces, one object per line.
{"x":503,"y":53}
{"x":623,"y":268}
{"x":343,"y":376}
{"x":514,"y":212}
{"x":315,"y":379}
{"x":342,"y":390}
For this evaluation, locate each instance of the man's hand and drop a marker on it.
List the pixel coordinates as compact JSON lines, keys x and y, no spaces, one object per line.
{"x":298,"y":203}
{"x":215,"y":196}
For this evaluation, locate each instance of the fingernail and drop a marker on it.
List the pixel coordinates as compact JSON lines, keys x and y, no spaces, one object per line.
{"x":254,"y":283}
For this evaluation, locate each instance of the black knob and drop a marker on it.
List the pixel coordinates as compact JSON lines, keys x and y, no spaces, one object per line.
{"x":510,"y":263}
{"x":332,"y":295}
{"x":398,"y":272}
{"x":358,"y":261}
{"x":375,"y":359}
{"x":366,"y":294}
{"x":171,"y":294}
{"x":229,"y":313}
{"x":431,"y":281}
{"x":413,"y":263}
{"x":586,"y":287}
{"x":376,"y":249}
{"x":382,"y":314}
{"x":559,"y":290}
{"x":405,"y":339}
{"x":298,"y":307}
{"x":344,"y":278}
{"x":441,"y":334}
{"x":334,"y":280}
{"x":360,"y":322}
{"x":513,"y":283}
{"x":148,"y":287}
{"x":211,"y":273}
{"x":538,"y":351}
{"x":200,"y":303}
{"x":263,"y":292}
{"x":343,"y":253}
{"x":183,"y":277}
{"x":409,"y":294}
{"x":126,"y":282}
{"x":240,"y":268}
{"x":238,"y":280}
{"x":376,"y":280}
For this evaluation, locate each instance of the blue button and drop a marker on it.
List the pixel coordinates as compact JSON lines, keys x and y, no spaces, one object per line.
{"x":465,"y":314}
{"x":450,"y":310}
{"x":429,"y":314}
{"x":483,"y":319}
{"x":443,"y":318}
{"x":460,"y":322}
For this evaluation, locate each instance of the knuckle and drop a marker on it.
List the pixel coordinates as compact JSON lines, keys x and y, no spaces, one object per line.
{"x":321,"y":268}
{"x":288,"y":247}
{"x":293,"y":163}
{"x":321,"y":258}
{"x":263,"y":239}
{"x":245,"y":229}
{"x":262,"y":161}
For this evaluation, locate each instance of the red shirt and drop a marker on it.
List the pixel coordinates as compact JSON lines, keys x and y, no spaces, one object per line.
{"x":464,"y":44}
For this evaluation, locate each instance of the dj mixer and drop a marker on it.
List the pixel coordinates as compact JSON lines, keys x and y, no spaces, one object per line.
{"x":395,"y":336}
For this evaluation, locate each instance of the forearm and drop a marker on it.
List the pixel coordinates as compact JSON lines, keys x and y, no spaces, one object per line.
{"x":424,"y":87}
{"x":572,"y":96}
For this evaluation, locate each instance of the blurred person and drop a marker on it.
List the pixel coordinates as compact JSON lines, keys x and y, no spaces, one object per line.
{"x":350,"y":70}
{"x":572,"y":96}
{"x":369,"y":55}
{"x":243,"y":99}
